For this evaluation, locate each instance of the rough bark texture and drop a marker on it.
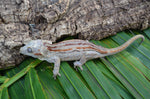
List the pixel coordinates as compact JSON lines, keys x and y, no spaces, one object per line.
{"x":23,"y":20}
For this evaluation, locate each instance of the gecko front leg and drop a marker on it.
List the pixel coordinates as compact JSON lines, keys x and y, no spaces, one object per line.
{"x":56,"y":61}
{"x":56,"y":67}
{"x":52,"y":59}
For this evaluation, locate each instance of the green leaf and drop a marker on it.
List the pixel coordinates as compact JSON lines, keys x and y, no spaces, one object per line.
{"x":102,"y":80}
{"x":93,"y":83}
{"x":136,"y":51}
{"x":137,"y":80}
{"x":33,"y":87}
{"x":52,"y":87}
{"x":4,"y":93}
{"x":74,"y":80}
{"x":147,"y":32}
{"x":17,"y":90}
{"x":123,"y":75}
{"x":2,"y":79}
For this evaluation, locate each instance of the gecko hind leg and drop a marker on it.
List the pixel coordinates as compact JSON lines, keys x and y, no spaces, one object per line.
{"x":85,"y":57}
{"x":80,"y":62}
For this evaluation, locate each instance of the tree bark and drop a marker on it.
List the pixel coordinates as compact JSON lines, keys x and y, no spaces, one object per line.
{"x":25,"y":20}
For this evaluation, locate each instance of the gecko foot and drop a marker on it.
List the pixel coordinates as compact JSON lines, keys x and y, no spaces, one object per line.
{"x":55,"y":74}
{"x":77,"y":64}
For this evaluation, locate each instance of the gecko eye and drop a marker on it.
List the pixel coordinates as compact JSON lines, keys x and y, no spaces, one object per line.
{"x":29,"y":49}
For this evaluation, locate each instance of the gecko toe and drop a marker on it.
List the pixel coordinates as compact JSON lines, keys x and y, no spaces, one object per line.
{"x":55,"y":75}
{"x":78,"y":64}
{"x":81,"y":68}
{"x":59,"y":74}
{"x":75,"y":67}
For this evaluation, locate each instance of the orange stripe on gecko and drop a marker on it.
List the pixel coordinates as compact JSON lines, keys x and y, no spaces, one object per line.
{"x":37,"y":54}
{"x":96,"y":49}
{"x":59,"y":50}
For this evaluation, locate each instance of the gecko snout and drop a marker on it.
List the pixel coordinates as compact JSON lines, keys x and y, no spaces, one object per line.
{"x":21,"y":50}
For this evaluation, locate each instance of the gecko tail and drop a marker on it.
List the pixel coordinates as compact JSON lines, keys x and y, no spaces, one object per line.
{"x":142,"y":37}
{"x":125,"y":45}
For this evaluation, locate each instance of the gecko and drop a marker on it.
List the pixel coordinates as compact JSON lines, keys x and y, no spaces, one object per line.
{"x":76,"y":50}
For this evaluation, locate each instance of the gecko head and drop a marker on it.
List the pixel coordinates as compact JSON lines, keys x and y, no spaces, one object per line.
{"x":32,"y":48}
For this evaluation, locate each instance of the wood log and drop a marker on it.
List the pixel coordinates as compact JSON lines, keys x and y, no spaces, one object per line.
{"x":25,"y":20}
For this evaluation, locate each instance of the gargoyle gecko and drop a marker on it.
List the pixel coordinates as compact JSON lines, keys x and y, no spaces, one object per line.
{"x":69,"y":50}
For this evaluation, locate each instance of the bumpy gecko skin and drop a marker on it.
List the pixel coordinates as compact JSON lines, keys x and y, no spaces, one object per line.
{"x":69,"y":50}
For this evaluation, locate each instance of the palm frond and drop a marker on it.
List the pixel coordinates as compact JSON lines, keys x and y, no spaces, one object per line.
{"x":124,"y":75}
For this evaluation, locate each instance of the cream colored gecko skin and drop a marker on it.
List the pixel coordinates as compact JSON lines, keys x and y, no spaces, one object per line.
{"x":69,"y":50}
